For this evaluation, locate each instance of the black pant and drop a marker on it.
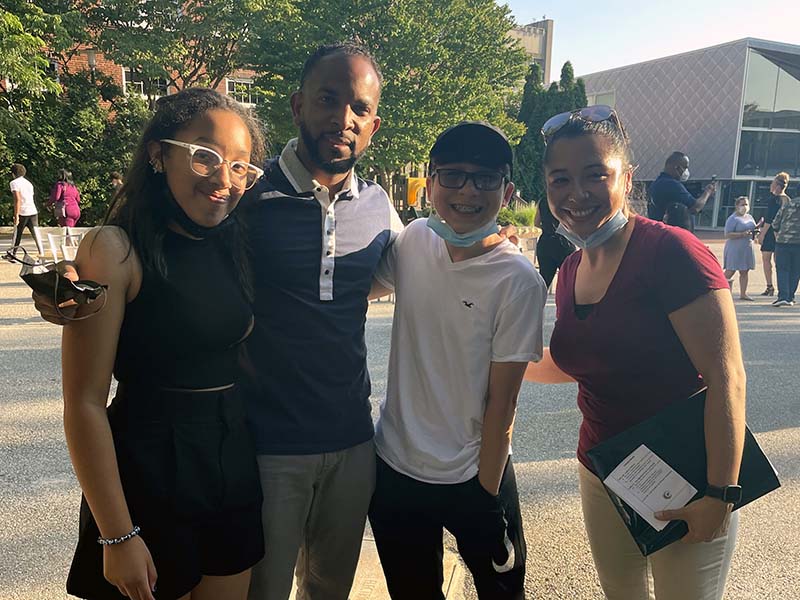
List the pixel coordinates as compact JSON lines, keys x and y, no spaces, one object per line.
{"x":31,"y":222}
{"x":551,"y":251}
{"x":407,"y":518}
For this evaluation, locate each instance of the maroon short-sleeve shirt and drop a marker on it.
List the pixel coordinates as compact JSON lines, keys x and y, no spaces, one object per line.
{"x":625,"y":355}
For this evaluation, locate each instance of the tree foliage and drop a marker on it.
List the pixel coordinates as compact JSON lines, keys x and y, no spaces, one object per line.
{"x":442,"y":62}
{"x":539,"y":104}
{"x":192,"y":43}
{"x":74,"y":131}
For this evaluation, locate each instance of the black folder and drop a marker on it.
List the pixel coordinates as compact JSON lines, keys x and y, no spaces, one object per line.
{"x":677,"y":436}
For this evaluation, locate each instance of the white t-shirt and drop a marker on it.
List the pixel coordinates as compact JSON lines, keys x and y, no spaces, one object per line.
{"x":25,"y":189}
{"x":451,"y":321}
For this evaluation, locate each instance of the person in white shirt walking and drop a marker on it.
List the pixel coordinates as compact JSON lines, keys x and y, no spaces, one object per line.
{"x":468,"y":315}
{"x":25,"y":212}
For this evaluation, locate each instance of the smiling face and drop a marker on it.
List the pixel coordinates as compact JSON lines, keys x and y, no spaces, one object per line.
{"x":587,"y":182}
{"x":468,"y":208}
{"x":205,"y":200}
{"x":336,"y":112}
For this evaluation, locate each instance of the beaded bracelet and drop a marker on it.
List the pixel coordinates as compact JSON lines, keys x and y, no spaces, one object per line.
{"x":112,"y":541}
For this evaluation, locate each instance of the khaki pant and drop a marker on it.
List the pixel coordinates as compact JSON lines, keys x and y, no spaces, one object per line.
{"x":314,"y":512}
{"x":678,"y":572}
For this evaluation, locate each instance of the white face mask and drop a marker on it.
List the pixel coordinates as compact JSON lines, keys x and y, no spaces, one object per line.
{"x":685,"y":174}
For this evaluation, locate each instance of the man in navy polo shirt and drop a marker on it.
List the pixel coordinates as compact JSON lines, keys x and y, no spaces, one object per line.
{"x":668,"y":190}
{"x":317,"y":233}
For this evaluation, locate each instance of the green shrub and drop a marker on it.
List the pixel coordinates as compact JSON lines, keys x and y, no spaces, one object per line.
{"x":522,"y":217}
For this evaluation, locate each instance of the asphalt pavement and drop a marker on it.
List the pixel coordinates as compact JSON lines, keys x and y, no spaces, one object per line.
{"x":39,"y":495}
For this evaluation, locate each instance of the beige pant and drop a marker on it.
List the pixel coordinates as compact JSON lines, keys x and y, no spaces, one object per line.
{"x":678,"y":572}
{"x":314,"y":512}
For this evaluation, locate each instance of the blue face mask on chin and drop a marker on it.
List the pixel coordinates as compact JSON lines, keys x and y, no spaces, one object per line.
{"x":461,"y":240}
{"x":599,"y":237}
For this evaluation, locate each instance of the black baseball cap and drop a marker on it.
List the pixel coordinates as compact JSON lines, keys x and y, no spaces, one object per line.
{"x":476,"y":142}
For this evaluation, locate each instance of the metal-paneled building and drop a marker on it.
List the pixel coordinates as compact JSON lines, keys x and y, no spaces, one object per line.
{"x":734,"y":109}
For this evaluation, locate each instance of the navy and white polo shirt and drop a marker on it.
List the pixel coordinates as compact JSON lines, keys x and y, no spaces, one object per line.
{"x":313,"y":260}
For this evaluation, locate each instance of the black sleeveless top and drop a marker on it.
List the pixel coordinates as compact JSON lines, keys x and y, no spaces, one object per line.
{"x":185,"y":331}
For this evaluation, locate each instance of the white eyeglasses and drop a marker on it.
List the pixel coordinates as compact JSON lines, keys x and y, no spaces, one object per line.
{"x":204,"y":161}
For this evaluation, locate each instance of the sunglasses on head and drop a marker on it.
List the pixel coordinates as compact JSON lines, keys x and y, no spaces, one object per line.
{"x":589,"y":114}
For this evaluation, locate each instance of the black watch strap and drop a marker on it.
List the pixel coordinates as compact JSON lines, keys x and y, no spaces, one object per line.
{"x":728,"y":493}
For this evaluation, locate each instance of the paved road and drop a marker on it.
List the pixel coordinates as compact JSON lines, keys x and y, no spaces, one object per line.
{"x":39,"y":497}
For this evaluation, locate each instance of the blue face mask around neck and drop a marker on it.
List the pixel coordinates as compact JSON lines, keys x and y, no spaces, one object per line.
{"x":599,"y":237}
{"x":461,"y":240}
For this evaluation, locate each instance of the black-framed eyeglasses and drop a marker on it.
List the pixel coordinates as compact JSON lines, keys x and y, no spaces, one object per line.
{"x":455,"y":179}
{"x":204,"y":161}
{"x":591,"y":114}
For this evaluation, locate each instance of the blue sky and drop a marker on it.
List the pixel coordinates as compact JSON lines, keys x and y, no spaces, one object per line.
{"x":602,"y":34}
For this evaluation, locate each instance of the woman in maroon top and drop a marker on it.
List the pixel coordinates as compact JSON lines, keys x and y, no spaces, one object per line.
{"x":644,"y":317}
{"x":65,"y":201}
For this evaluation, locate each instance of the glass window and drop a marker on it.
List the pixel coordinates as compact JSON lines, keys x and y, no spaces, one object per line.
{"x":242,"y":90}
{"x":771,"y":95}
{"x":787,"y":102}
{"x":784,"y":154}
{"x":607,"y":98}
{"x":133,"y":81}
{"x":753,"y":149}
{"x":759,"y":92}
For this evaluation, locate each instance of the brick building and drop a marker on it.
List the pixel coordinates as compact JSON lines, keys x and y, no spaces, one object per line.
{"x":238,"y":83}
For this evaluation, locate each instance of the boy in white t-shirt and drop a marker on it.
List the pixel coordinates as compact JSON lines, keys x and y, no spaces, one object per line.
{"x":25,"y":212}
{"x":467,"y":319}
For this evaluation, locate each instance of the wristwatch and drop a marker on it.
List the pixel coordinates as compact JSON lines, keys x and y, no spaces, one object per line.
{"x":728,"y":493}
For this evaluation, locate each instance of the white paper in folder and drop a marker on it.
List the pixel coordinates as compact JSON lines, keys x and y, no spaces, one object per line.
{"x":648,"y":484}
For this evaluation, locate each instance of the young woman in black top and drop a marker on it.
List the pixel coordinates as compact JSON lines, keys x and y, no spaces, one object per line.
{"x":766,"y":238}
{"x":171,"y":493}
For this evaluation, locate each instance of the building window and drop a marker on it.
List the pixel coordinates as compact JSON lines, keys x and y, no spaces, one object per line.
{"x":764,"y":153}
{"x":133,"y":82}
{"x":772,"y":94}
{"x":53,"y":70}
{"x":243,"y":90}
{"x":607,"y":98}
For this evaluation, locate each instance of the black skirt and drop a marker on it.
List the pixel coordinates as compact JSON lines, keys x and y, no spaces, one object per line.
{"x":190,"y":477}
{"x":768,"y":245}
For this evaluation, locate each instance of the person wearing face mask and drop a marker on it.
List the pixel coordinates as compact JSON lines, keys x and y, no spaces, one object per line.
{"x":468,"y":318}
{"x":738,"y":255}
{"x":643,"y":318}
{"x":171,"y":501}
{"x":668,"y":189}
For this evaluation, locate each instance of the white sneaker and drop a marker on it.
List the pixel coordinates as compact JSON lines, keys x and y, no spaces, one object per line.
{"x":782,"y":303}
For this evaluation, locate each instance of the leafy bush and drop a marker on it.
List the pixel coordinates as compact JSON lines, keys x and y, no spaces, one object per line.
{"x":522,"y":217}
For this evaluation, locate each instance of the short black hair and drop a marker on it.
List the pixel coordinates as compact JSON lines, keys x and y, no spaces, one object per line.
{"x":675,"y":158}
{"x":18,"y":170}
{"x":348,"y":48}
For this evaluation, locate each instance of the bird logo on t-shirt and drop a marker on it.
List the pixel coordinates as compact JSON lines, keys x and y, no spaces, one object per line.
{"x":468,"y":304}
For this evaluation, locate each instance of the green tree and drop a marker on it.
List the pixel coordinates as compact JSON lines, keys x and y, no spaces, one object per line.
{"x":183,"y":43}
{"x":442,"y":62}
{"x":75,"y":131}
{"x":539,"y":104}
